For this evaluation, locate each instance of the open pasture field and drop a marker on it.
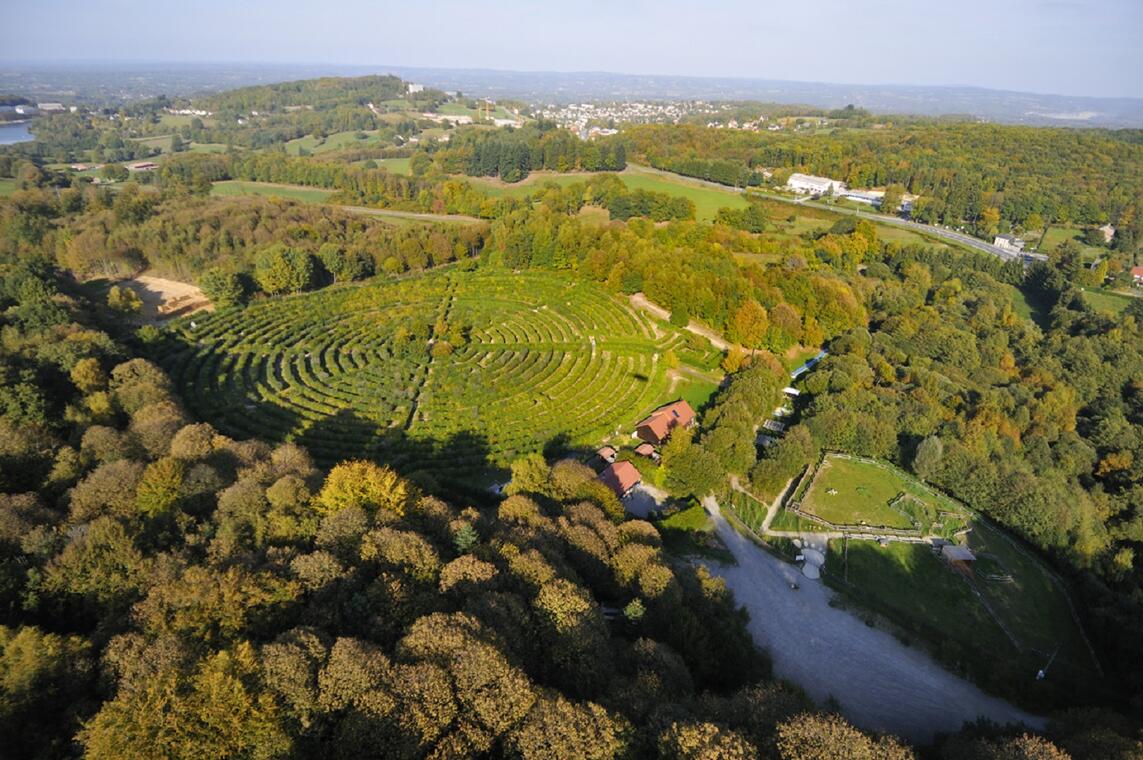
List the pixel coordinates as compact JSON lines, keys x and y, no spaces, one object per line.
{"x":708,"y":200}
{"x":1057,"y":235}
{"x":335,"y":141}
{"x":7,"y":186}
{"x":1106,"y":300}
{"x":851,"y":491}
{"x":1000,"y":622}
{"x":270,"y":190}
{"x":395,"y":165}
{"x":449,"y":373}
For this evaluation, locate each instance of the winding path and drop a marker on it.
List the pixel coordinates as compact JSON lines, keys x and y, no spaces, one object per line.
{"x":640,"y":301}
{"x":881,"y":684}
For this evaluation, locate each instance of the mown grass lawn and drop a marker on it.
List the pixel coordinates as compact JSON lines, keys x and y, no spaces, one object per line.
{"x":1058,"y":235}
{"x":396,"y":165}
{"x":1105,"y":300}
{"x":696,"y":391}
{"x":1031,"y":603}
{"x":7,"y":186}
{"x":863,"y":493}
{"x":335,"y":141}
{"x":270,"y":190}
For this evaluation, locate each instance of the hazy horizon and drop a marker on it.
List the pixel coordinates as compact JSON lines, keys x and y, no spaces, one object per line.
{"x":394,"y":67}
{"x":1057,"y":47}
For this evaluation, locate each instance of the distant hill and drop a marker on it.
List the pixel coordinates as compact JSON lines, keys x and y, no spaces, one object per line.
{"x":993,"y":105}
{"x":113,"y":82}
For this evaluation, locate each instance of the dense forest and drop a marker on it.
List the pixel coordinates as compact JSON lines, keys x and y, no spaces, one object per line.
{"x":166,"y":590}
{"x":513,"y":154}
{"x":957,"y":168}
{"x":173,"y":592}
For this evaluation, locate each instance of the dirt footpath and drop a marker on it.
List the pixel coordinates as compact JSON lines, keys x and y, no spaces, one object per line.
{"x":881,"y":684}
{"x":167,"y":299}
{"x":640,"y":301}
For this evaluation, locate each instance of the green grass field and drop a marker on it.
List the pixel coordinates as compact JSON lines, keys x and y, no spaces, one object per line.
{"x":335,"y":141}
{"x":395,"y":165}
{"x":348,"y":371}
{"x":1057,"y":235}
{"x":1000,"y":624}
{"x":7,"y":186}
{"x":1106,"y":300}
{"x":162,"y":142}
{"x":850,"y":491}
{"x":690,"y":532}
{"x":196,"y":147}
{"x":696,"y":391}
{"x":270,"y":190}
{"x":707,"y":200}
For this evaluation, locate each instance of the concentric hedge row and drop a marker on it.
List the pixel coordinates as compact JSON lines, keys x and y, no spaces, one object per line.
{"x":542,"y":358}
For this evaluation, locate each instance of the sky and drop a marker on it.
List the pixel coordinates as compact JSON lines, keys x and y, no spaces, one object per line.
{"x":1067,"y":47}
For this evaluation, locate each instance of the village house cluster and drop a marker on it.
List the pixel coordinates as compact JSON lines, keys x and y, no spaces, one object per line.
{"x":621,"y":475}
{"x":599,"y":119}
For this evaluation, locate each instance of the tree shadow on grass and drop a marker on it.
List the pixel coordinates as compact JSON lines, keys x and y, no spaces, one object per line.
{"x":454,"y":467}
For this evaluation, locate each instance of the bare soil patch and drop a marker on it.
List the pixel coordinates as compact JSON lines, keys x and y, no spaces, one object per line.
{"x":166,"y":299}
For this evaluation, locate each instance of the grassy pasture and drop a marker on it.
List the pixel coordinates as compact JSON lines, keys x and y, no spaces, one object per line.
{"x":395,"y":165}
{"x":196,"y":147}
{"x":850,"y":491}
{"x":1057,"y":235}
{"x":1000,"y":624}
{"x":335,"y":141}
{"x":708,"y":200}
{"x":7,"y":186}
{"x":271,"y":190}
{"x":1106,"y":300}
{"x":348,"y":370}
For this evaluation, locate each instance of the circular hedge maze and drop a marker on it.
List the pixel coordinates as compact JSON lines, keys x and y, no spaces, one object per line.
{"x":447,"y":373}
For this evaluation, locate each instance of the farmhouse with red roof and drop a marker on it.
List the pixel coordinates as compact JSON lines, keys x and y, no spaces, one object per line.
{"x":659,"y":424}
{"x":621,"y":477}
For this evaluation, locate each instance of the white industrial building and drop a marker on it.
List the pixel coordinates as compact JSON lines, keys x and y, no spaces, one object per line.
{"x":1008,"y":243}
{"x":811,"y":185}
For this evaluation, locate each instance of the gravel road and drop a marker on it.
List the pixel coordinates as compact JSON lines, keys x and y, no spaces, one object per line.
{"x":881,"y":684}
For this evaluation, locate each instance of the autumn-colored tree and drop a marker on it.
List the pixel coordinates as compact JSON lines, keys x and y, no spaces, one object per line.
{"x":366,"y":485}
{"x":750,"y":323}
{"x":219,"y":711}
{"x":829,"y":737}
{"x":88,"y":375}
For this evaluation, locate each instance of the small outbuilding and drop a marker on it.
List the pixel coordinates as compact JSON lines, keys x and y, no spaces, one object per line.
{"x":647,"y":450}
{"x":959,"y":557}
{"x":607,"y":454}
{"x":621,"y":477}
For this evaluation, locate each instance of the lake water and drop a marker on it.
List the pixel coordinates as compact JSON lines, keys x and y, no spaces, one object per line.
{"x":15,"y":133}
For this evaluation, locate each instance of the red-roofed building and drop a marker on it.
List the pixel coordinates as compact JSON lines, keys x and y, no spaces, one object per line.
{"x":607,"y":454}
{"x":1137,"y":275}
{"x":621,"y":477}
{"x":647,"y":450}
{"x":659,"y":424}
